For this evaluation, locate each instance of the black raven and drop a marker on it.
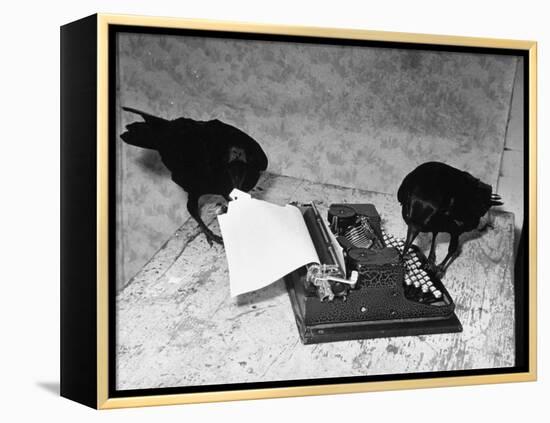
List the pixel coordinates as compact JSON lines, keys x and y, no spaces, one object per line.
{"x":204,"y":157}
{"x":436,"y":197}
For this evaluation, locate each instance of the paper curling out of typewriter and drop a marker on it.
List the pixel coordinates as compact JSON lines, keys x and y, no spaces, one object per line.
{"x":375,"y":292}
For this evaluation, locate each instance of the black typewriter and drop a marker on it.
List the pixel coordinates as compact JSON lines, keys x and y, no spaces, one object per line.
{"x":369,"y":290}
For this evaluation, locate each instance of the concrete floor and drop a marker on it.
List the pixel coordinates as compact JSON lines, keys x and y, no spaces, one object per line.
{"x":178,"y":326}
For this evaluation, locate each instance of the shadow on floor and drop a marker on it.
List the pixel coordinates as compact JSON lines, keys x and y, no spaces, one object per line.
{"x":51,"y":387}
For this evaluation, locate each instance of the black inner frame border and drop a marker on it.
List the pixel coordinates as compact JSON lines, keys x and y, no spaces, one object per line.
{"x":521,"y":281}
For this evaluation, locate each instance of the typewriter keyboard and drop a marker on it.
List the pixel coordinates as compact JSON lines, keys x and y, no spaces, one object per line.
{"x":419,"y":285}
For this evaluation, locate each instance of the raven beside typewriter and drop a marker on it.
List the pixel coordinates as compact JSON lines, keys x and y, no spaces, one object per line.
{"x":375,"y":293}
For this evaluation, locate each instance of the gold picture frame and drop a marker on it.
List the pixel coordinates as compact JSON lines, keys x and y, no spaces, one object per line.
{"x":92,"y":387}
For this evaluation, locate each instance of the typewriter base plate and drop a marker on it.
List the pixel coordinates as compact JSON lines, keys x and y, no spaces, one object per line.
{"x":332,"y":332}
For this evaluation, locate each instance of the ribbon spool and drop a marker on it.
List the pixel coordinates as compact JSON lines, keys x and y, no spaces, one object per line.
{"x":358,"y":257}
{"x":341,"y":217}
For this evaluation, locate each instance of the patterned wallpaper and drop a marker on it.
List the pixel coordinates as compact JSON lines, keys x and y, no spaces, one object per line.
{"x":351,"y":116}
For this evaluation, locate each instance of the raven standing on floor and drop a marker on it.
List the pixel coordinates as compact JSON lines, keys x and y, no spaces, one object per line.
{"x":204,"y":157}
{"x":436,"y":197}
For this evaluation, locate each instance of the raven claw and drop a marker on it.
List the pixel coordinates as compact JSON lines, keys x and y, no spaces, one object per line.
{"x":211,"y":238}
{"x":439,"y":272}
{"x":486,"y":227}
{"x":431,"y":266}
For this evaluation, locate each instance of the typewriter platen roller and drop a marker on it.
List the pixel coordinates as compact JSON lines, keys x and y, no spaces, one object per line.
{"x":377,"y":293}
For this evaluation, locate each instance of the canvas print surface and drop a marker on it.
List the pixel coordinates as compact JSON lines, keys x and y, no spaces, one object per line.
{"x":403,"y":170}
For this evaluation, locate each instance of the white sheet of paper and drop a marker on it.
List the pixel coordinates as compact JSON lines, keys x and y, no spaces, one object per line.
{"x":263,"y":242}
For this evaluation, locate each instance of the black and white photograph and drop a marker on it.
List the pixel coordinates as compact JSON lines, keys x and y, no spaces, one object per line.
{"x":294,"y":210}
{"x":291,"y":211}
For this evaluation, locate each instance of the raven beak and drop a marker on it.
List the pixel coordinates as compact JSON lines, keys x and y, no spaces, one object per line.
{"x":237,"y":173}
{"x":412,"y":233}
